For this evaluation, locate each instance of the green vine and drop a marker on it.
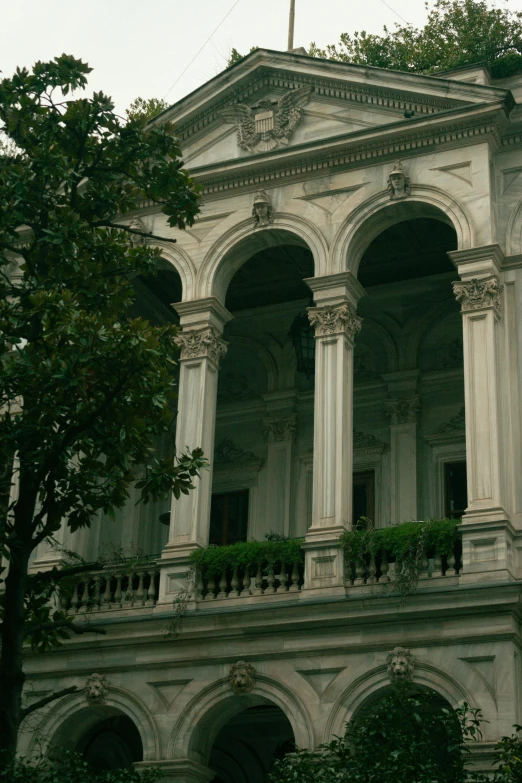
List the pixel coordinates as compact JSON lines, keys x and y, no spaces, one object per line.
{"x":407,"y":544}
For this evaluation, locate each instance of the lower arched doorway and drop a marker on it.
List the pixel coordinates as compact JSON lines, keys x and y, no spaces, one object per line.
{"x":247,"y":746}
{"x":111,"y":743}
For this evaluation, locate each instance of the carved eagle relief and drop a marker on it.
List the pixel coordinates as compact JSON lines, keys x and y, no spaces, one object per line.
{"x":268,"y":123}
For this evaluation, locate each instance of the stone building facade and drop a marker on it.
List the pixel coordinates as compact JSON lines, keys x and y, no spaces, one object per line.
{"x":386,"y":208}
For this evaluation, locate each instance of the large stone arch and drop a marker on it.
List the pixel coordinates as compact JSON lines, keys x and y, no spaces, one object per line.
{"x":370,"y":683}
{"x":174,"y":255}
{"x":378,"y":213}
{"x":70,"y":717}
{"x":201,"y":720}
{"x":242,"y":241}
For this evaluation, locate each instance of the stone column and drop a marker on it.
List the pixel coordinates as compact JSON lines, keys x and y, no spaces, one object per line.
{"x":487,"y":535}
{"x":279,"y":430}
{"x":336,"y":325}
{"x":403,"y":411}
{"x":202,"y":347}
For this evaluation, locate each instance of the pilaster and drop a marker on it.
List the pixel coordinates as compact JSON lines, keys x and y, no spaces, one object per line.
{"x":279,"y":428}
{"x":202,"y":348}
{"x":402,"y":409}
{"x":336,"y":325}
{"x":487,"y":533}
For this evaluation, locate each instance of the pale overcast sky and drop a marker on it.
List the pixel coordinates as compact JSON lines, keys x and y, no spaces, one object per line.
{"x":141,"y":47}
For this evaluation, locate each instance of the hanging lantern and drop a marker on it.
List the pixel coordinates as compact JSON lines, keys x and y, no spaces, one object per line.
{"x":303,"y":338}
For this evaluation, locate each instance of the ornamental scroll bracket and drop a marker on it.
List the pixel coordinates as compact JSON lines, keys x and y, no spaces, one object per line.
{"x":335,"y":319}
{"x":479,"y":294}
{"x":204,"y":343}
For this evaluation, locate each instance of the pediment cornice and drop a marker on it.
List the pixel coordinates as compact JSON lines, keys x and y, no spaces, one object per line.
{"x":334,"y":90}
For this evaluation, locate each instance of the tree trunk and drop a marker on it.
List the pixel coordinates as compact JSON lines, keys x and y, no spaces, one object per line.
{"x":11,"y":662}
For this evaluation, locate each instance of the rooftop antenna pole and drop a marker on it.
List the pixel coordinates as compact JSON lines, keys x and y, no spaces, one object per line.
{"x":291,"y":24}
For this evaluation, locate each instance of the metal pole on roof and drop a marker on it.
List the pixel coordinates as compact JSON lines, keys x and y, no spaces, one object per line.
{"x":291,"y":24}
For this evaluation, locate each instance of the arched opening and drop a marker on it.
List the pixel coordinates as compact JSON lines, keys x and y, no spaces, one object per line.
{"x":105,"y":737}
{"x":246,"y":747}
{"x":258,"y":383}
{"x":408,"y":360}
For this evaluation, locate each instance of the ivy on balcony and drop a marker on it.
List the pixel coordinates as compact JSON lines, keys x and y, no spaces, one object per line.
{"x":248,"y":554}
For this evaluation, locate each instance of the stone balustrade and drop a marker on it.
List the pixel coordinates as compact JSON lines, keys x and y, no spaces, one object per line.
{"x":381,"y":569}
{"x":121,"y":586}
{"x":244,"y":582}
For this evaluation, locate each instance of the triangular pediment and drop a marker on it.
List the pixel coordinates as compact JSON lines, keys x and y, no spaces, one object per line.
{"x":270,"y":102}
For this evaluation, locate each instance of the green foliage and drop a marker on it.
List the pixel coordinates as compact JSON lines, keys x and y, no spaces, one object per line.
{"x":457,"y":32}
{"x":216,"y":559}
{"x":144,"y":109}
{"x":509,"y":758}
{"x":405,"y":543}
{"x":71,"y":768}
{"x":235,"y":57}
{"x":407,"y":736}
{"x":86,"y":389}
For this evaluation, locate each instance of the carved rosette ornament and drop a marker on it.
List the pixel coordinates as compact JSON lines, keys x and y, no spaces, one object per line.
{"x":335,"y":319}
{"x":242,"y":677}
{"x":478,"y":294}
{"x":400,"y":665}
{"x":280,"y":429}
{"x":202,"y":343}
{"x":403,"y":411}
{"x":96,"y":689}
{"x":399,"y":185}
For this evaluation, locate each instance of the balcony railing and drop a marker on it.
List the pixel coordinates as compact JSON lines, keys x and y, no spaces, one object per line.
{"x":117,"y":586}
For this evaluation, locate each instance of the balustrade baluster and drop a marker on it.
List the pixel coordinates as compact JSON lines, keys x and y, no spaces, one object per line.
{"x":75,"y":600}
{"x":247,"y":581}
{"x":84,"y":600}
{"x":140,"y":592}
{"x":117,"y":592}
{"x":259,"y":581}
{"x":97,"y":593}
{"x":199,"y":586}
{"x":437,"y":565}
{"x":211,"y":588}
{"x":283,"y":579}
{"x":359,"y":572}
{"x":294,"y":587}
{"x":451,"y":570}
{"x":234,"y":585}
{"x":270,"y":579}
{"x":128,"y":595}
{"x":384,"y":577}
{"x":372,"y":570}
{"x":424,"y":572}
{"x":223,"y":584}
{"x":107,"y":592}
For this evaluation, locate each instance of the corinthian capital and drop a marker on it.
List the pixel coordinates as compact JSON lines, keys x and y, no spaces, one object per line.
{"x":478,"y":294}
{"x":403,"y":411}
{"x":281,"y":428}
{"x":335,"y":319}
{"x":202,"y":343}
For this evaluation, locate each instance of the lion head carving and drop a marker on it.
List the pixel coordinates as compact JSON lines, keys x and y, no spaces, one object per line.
{"x":400,"y":664}
{"x":241,"y":677}
{"x":96,"y":689}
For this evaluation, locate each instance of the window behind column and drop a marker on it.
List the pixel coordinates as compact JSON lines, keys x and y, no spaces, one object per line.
{"x":229,"y":517}
{"x":363,"y":496}
{"x":455,"y":489}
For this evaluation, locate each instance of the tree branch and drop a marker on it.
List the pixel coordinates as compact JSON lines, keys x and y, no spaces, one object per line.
{"x":47,"y":700}
{"x":70,"y":626}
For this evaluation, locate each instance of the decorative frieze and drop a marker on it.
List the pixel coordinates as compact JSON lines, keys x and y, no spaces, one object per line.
{"x":399,"y":185}
{"x":227,"y":455}
{"x":401,"y":664}
{"x":403,"y":411}
{"x":453,"y":431}
{"x":335,"y":319}
{"x":478,"y":294}
{"x":96,"y":689}
{"x":242,"y":677}
{"x":201,"y":344}
{"x":280,"y":428}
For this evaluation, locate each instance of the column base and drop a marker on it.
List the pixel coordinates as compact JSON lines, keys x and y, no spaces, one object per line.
{"x":174,"y":566}
{"x":487,"y":550}
{"x":324,"y":563}
{"x":178,"y":771}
